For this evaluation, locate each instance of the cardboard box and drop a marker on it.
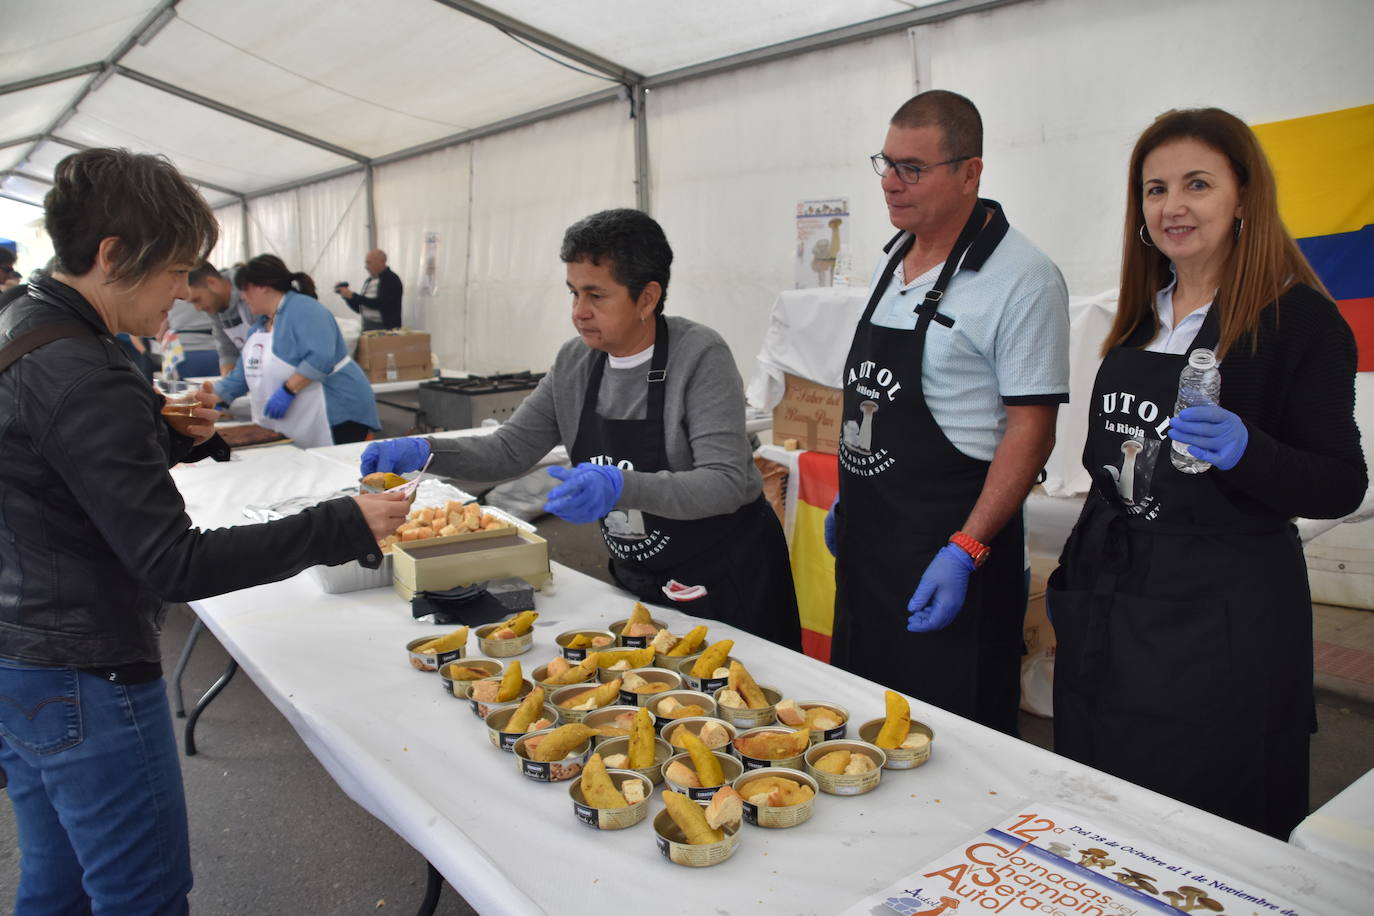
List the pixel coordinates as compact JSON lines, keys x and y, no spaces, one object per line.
{"x":811,"y":413}
{"x":436,"y":564}
{"x":411,"y":350}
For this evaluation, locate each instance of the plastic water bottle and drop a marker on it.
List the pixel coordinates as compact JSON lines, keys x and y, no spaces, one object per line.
{"x":392,"y":373}
{"x":1198,"y":383}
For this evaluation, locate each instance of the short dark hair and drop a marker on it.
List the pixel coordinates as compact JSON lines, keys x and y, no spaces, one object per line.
{"x":140,"y":199}
{"x":271,"y":271}
{"x":631,"y":240}
{"x":960,"y":124}
{"x":7,"y":256}
{"x":205,"y":271}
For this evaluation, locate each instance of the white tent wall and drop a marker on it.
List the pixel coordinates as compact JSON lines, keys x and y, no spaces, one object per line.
{"x":320,"y":228}
{"x":732,"y":154}
{"x":1066,"y":86}
{"x":415,"y":197}
{"x":528,"y":186}
{"x":228,"y":251}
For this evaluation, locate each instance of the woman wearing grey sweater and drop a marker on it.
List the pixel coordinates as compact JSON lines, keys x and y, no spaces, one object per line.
{"x":652,"y":411}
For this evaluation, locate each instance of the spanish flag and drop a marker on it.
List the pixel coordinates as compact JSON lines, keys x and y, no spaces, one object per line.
{"x":1324,"y":165}
{"x":813,"y":568}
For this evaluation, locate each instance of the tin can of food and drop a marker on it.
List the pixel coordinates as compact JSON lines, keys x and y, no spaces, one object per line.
{"x":480,"y":708}
{"x":920,"y":738}
{"x":673,"y":846}
{"x":857,"y":783}
{"x":730,"y":768}
{"x":634,"y":642}
{"x":752,"y":762}
{"x":657,"y":680}
{"x":685,"y":700}
{"x":612,"y":818}
{"x":614,"y":720}
{"x":570,"y":767}
{"x":743,"y":717}
{"x":455,"y":675}
{"x":716,"y":734}
{"x":598,"y":639}
{"x":540,"y":676}
{"x":672,"y":662}
{"x":613,"y":663}
{"x":609,"y":747}
{"x":502,"y":648}
{"x":431,"y":661}
{"x":567,"y":697}
{"x":709,"y":683}
{"x":817,"y":715}
{"x":499,"y":716}
{"x":775,"y":816}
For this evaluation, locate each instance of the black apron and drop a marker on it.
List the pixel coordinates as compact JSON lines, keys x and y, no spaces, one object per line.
{"x":904,"y":489}
{"x":1183,"y":616}
{"x":741,"y":558}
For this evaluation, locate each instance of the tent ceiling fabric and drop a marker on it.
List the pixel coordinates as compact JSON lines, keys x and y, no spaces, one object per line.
{"x":363,"y":78}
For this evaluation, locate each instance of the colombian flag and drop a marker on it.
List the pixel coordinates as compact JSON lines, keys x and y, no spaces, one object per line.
{"x":813,"y":568}
{"x":1324,"y":165}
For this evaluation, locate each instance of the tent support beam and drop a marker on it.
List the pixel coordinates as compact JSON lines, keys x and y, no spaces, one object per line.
{"x":26,"y":176}
{"x":545,"y":40}
{"x":638,"y":97}
{"x":19,"y":200}
{"x":191,"y":178}
{"x":371,"y":211}
{"x":243,"y":222}
{"x":935,"y":12}
{"x":302,"y":182}
{"x":58,"y":76}
{"x":239,"y":113}
{"x":31,"y":138}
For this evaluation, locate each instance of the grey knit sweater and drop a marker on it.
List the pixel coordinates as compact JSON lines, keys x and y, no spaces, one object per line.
{"x":712,"y":468}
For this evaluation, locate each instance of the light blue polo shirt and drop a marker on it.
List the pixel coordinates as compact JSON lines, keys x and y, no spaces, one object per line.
{"x":1009,"y":343}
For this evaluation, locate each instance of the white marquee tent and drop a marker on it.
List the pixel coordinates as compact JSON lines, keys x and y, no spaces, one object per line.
{"x":318,"y":128}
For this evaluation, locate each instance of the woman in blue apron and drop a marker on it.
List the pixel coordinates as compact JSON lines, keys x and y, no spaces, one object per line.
{"x":295,"y":367}
{"x":652,"y":409}
{"x":1181,"y":603}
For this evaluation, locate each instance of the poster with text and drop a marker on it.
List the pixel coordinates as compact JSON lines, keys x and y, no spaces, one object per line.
{"x":822,"y":230}
{"x":1049,"y":860}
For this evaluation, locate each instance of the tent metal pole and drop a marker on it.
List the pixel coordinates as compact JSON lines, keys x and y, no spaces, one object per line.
{"x":7,"y":173}
{"x":31,"y":138}
{"x":935,"y":12}
{"x":551,"y":42}
{"x":302,"y":182}
{"x":371,"y":211}
{"x":239,"y":113}
{"x":57,"y":76}
{"x":638,"y":97}
{"x":19,"y":200}
{"x":243,"y":221}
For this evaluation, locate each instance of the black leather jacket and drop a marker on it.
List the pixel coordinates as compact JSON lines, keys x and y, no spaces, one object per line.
{"x":94,"y":535}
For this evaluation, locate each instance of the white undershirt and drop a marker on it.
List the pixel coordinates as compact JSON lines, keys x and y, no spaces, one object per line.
{"x":634,"y":359}
{"x":1171,"y":339}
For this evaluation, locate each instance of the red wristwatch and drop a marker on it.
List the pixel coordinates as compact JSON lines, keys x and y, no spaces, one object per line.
{"x":977,"y":550}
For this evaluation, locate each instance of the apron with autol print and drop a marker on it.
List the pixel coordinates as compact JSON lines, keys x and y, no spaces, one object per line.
{"x":741,"y":558}
{"x":904,"y":489}
{"x":1183,"y":619}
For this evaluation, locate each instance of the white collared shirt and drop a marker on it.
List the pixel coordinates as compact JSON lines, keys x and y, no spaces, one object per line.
{"x":1171,"y":339}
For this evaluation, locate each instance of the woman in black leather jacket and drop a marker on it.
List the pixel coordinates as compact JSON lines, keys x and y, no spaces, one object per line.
{"x":94,"y":537}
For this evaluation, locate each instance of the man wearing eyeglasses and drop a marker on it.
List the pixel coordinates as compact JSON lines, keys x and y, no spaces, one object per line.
{"x":951,"y":386}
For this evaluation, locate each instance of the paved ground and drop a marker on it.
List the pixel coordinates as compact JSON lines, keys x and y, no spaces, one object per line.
{"x":271,"y":832}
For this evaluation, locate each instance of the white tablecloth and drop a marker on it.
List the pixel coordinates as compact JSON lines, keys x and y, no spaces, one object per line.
{"x":418,"y":760}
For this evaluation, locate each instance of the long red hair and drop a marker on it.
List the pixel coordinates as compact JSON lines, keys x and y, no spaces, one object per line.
{"x":1264,"y":262}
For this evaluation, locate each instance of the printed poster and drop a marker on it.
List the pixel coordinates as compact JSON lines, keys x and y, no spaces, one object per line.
{"x":1048,"y":860}
{"x":822,"y":230}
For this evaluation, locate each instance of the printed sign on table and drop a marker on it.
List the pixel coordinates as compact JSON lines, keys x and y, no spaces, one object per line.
{"x":1048,"y":860}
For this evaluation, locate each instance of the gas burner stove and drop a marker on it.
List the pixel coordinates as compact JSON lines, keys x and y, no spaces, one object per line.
{"x":460,"y":403}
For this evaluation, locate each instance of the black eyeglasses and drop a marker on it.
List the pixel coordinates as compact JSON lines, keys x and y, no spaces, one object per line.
{"x":907,"y":172}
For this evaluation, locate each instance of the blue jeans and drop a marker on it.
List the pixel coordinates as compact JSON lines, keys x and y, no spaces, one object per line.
{"x":96,"y":784}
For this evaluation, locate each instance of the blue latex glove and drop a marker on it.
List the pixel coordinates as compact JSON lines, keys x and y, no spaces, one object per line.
{"x":587,"y":493}
{"x":278,"y":403}
{"x":940,"y":595}
{"x":830,"y":526}
{"x":1211,"y":433}
{"x":395,"y":455}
